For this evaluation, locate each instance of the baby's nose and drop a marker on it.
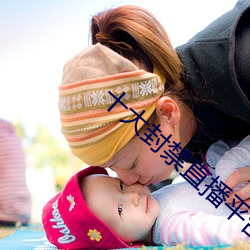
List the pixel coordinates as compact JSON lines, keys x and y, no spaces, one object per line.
{"x":133,"y":198}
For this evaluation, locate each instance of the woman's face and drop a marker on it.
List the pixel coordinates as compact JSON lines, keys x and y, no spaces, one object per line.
{"x":153,"y":160}
{"x":136,"y":162}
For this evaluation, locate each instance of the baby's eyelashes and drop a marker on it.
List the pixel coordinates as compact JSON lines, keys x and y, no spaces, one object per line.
{"x":120,"y":207}
{"x":121,"y":186}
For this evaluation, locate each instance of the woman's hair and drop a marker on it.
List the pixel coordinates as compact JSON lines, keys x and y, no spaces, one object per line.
{"x":137,"y":35}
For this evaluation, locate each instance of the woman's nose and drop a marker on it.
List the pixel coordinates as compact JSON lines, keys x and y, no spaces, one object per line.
{"x":126,"y":177}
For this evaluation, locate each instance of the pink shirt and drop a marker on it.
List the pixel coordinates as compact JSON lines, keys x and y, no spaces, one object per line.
{"x":15,"y":200}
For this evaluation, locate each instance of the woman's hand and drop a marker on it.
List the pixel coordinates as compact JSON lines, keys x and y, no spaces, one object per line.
{"x":239,"y":176}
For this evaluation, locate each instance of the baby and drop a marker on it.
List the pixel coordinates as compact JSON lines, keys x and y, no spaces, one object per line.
{"x":96,"y":211}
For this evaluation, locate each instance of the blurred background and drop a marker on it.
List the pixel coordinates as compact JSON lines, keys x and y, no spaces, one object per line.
{"x":36,"y":39}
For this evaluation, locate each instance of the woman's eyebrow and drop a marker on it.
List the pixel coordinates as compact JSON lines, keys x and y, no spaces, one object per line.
{"x":115,"y":162}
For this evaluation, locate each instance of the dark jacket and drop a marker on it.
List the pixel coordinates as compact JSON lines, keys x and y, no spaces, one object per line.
{"x":217,"y":67}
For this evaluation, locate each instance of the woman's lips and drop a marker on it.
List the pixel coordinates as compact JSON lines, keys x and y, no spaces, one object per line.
{"x":148,"y":182}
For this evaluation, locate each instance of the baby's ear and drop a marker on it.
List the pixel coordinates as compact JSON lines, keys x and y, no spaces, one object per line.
{"x":168,"y":111}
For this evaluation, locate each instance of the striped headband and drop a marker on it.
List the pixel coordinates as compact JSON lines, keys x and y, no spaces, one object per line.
{"x":92,"y":81}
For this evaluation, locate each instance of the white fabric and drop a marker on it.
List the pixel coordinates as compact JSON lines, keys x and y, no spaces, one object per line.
{"x":187,"y":217}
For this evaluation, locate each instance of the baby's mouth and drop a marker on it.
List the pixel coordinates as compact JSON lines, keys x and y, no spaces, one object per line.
{"x":147,"y":203}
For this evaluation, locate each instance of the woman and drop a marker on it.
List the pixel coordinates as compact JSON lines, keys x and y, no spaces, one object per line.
{"x":206,"y":94}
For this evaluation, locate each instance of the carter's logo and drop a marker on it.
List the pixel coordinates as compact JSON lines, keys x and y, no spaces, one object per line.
{"x":67,"y":237}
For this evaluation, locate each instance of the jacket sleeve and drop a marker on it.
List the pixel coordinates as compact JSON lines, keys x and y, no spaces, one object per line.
{"x":201,"y":229}
{"x":236,"y":158}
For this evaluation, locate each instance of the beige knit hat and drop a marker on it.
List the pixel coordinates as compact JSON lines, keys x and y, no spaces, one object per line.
{"x":94,"y":133}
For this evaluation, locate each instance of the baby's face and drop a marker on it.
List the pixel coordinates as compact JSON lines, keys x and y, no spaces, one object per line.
{"x":130,"y":211}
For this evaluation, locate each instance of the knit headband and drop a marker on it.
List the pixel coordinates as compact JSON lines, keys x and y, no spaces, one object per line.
{"x":92,"y":81}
